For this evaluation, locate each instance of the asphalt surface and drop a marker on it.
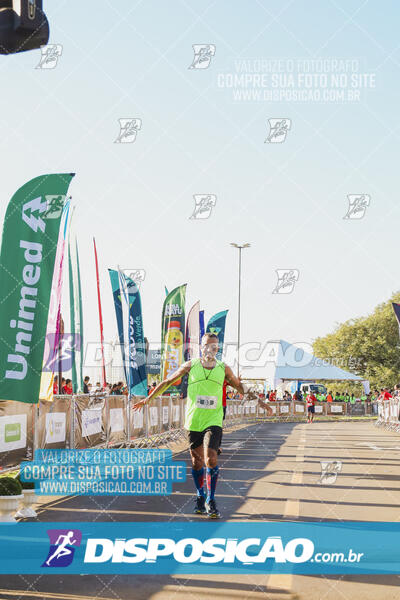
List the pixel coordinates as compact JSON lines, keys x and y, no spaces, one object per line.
{"x":268,"y":472}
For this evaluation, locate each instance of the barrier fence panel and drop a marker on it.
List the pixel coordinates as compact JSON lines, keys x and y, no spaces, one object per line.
{"x":137,"y":421}
{"x":284,"y":409}
{"x":165,"y":424}
{"x":394,"y":411}
{"x":355,"y":410}
{"x":299,"y":408}
{"x":176,"y":413}
{"x":272,"y":410}
{"x":336,"y":408}
{"x":53,"y":423}
{"x":229,"y":413}
{"x":386,"y":411}
{"x":117,"y":420}
{"x":176,"y":418}
{"x":154,"y":417}
{"x":89,"y":422}
{"x":16,"y":432}
{"x":320,"y":408}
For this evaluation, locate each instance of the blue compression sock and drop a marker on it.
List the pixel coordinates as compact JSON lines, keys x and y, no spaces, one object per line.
{"x":198,"y":477}
{"x":212,"y":476}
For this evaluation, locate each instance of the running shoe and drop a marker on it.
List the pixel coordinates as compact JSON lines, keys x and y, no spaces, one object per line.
{"x":212,"y":510}
{"x":199,"y":507}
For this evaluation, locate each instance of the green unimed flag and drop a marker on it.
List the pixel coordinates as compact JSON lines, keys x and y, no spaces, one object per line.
{"x":28,"y":250}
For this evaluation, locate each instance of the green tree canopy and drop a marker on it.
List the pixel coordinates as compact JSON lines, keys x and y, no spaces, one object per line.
{"x":368,"y":346}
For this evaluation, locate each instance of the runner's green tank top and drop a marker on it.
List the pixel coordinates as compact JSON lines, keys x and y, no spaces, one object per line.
{"x":204,"y":396}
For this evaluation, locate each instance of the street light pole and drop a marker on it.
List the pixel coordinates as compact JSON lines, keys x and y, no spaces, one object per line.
{"x":239,"y":286}
{"x":240,"y":248}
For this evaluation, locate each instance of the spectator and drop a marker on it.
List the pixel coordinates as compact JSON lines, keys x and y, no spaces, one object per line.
{"x":55,"y":385}
{"x":67,"y":389}
{"x":85,"y":384}
{"x":386,"y":394}
{"x":329,"y":397}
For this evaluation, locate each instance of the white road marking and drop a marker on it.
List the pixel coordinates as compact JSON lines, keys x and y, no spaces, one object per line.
{"x":284,"y":582}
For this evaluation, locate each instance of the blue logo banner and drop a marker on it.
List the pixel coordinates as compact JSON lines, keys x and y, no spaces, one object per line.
{"x":200,"y":547}
{"x":217,"y":325}
{"x":135,"y":370}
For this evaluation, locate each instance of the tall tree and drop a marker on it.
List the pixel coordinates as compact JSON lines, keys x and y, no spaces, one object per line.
{"x":368,"y":346}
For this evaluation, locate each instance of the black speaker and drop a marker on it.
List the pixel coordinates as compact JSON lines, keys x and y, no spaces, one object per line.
{"x":23,"y":26}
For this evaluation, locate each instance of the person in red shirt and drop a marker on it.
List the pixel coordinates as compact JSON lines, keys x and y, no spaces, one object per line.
{"x":67,"y":389}
{"x":386,"y":394}
{"x":272,"y":396}
{"x":310,"y":401}
{"x":329,"y":397}
{"x":55,"y":384}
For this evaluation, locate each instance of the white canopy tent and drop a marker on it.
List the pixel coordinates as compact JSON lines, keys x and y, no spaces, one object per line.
{"x":281,"y":361}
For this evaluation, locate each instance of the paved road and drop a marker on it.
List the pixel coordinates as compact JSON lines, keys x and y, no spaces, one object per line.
{"x":269,"y":471}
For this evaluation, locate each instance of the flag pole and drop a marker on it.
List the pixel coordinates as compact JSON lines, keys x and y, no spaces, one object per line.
{"x":103,"y":367}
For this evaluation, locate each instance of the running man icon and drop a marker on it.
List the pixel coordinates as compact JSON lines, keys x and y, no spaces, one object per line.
{"x":62,"y":542}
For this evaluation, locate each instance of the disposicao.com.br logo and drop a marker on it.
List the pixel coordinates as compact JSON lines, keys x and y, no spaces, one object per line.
{"x":247,"y":551}
{"x":62,"y":547}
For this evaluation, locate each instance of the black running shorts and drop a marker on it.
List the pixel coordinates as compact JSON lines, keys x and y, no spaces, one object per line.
{"x":311,"y":409}
{"x":209,"y":438}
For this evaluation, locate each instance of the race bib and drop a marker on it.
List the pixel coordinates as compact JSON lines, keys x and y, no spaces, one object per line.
{"x":206,"y":401}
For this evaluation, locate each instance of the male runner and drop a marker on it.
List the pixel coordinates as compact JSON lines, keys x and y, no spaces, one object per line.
{"x":310,"y":400}
{"x":204,"y":414}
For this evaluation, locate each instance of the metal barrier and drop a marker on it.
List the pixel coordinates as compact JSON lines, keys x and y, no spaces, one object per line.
{"x":87,"y":421}
{"x":17,"y":433}
{"x":388,"y":414}
{"x":53,"y":425}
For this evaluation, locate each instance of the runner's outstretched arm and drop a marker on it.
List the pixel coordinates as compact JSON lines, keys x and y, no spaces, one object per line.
{"x":164,"y":385}
{"x":236,"y":382}
{"x":233,"y":380}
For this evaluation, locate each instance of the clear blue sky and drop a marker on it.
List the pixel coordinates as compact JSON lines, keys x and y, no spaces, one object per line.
{"x":130,"y":59}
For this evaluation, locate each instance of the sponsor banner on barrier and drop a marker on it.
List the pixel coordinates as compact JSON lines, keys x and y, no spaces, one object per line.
{"x":116,"y":419}
{"x":12,"y":432}
{"x":55,"y":427}
{"x":91,"y":421}
{"x":208,"y":548}
{"x":54,"y":431}
{"x":138,"y":419}
{"x":319,"y":409}
{"x":153,"y":415}
{"x":16,"y":433}
{"x":165,"y":415}
{"x":176,"y":414}
{"x":336,"y":408}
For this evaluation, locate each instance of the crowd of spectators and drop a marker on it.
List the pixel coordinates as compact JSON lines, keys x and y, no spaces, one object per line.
{"x":120,"y":389}
{"x":350,"y":397}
